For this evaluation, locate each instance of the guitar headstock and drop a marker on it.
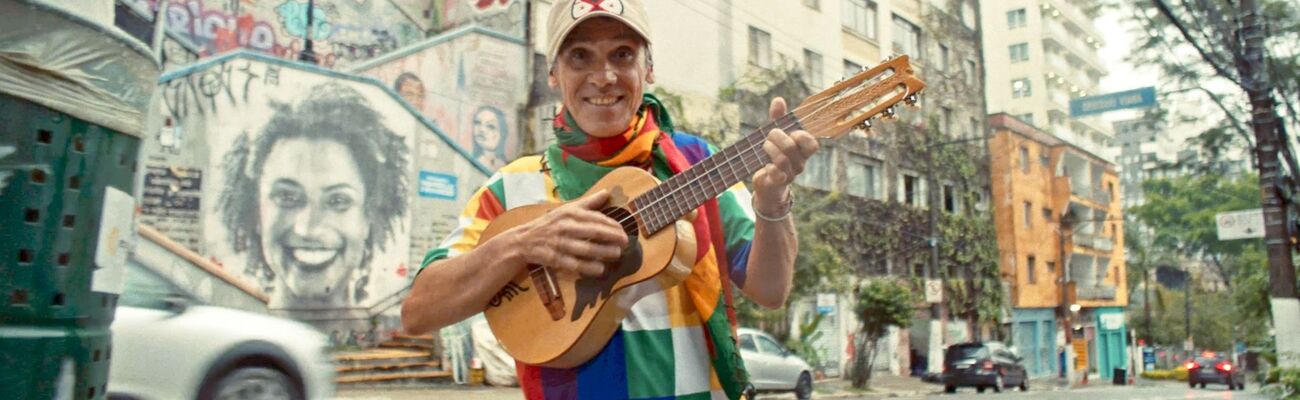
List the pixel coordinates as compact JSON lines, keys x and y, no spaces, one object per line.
{"x":853,"y":102}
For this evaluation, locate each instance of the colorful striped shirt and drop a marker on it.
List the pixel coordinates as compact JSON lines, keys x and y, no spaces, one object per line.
{"x":661,"y":350}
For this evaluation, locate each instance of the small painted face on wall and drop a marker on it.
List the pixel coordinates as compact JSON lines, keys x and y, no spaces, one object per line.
{"x":601,"y":73}
{"x":413,"y":91}
{"x":487,"y":130}
{"x":311,"y":201}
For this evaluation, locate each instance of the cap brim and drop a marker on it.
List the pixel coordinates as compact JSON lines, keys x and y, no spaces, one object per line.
{"x":564,"y":35}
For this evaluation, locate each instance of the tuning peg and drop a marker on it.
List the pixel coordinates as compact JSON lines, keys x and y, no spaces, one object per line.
{"x":889,"y":112}
{"x":910,"y":100}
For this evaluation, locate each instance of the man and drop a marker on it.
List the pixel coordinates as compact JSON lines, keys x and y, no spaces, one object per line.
{"x":676,"y":342}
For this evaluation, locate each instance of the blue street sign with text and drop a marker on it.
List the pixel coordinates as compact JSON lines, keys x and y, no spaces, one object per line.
{"x":1136,"y":98}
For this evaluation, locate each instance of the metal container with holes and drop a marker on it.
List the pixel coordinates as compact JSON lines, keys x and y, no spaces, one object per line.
{"x":74,"y":94}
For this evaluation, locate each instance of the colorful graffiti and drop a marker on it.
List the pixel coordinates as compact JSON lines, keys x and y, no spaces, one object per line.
{"x":343,"y":31}
{"x":471,"y":84}
{"x":504,"y":16}
{"x":309,"y":184}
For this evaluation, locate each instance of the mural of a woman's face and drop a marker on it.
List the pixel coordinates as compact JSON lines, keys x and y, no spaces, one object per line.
{"x":487,"y":130}
{"x":311,"y":201}
{"x":413,"y":91}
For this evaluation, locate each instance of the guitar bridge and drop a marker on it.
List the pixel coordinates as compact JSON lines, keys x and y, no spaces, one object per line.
{"x":548,"y":291}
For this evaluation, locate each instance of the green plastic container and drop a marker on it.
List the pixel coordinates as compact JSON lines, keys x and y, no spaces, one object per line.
{"x":51,"y":205}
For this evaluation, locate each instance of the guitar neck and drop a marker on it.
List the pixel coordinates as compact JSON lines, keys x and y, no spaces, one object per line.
{"x":684,"y":192}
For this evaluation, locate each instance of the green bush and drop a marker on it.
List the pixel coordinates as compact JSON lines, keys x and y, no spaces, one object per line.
{"x":1284,"y":383}
{"x":1179,"y":374}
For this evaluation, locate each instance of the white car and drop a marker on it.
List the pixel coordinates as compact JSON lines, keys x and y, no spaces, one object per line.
{"x":773,"y":367}
{"x":167,"y":346}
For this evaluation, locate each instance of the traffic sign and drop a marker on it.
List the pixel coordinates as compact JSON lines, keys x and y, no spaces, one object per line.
{"x":1136,"y":98}
{"x":1243,"y":224}
{"x":933,"y":291}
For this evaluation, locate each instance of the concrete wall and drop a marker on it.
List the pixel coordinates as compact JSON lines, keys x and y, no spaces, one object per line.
{"x":322,"y":189}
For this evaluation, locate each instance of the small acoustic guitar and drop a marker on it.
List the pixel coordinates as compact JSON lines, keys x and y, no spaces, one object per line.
{"x":557,"y":319}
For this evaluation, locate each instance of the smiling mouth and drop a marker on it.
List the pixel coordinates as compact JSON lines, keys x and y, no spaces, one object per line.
{"x":603,"y":101}
{"x":313,"y":259}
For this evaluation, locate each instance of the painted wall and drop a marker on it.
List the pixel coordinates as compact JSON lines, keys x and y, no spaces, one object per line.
{"x":504,"y":16}
{"x":320,"y":188}
{"x":344,"y":31}
{"x":471,"y":82}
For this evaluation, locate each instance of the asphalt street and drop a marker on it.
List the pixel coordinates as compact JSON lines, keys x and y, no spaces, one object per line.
{"x":1158,"y":391}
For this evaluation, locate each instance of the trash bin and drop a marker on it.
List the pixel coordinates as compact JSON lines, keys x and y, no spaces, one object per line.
{"x":73,"y":96}
{"x":1119,"y":376}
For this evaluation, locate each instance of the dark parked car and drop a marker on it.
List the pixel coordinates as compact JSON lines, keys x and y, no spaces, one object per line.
{"x":1214,"y":369}
{"x":982,"y":365}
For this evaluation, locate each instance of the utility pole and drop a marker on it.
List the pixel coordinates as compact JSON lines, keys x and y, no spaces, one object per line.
{"x":1264,"y":121}
{"x":1146,"y":301}
{"x":1187,"y":313}
{"x":937,"y":310}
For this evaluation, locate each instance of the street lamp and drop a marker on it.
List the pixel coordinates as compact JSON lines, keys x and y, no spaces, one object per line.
{"x":307,"y":55}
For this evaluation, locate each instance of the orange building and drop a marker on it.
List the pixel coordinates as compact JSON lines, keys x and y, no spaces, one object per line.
{"x":1060,"y":237}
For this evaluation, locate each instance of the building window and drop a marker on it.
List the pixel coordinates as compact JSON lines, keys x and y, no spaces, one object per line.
{"x":970,"y":72}
{"x":943,"y":58}
{"x":911,"y":190}
{"x":760,"y":47}
{"x":860,"y":17}
{"x":907,"y":37}
{"x":949,"y":199}
{"x":812,"y":68}
{"x":1047,"y":215}
{"x":1045,"y":159}
{"x":974,"y":130}
{"x":1029,"y":268}
{"x":1020,"y":88}
{"x":813,"y":4}
{"x":1016,"y":18}
{"x":1019,"y":52}
{"x":863,"y":178}
{"x":817,"y":171}
{"x":1027,"y":118}
{"x":851,"y":68}
{"x":947,"y":121}
{"x":1051,"y":266}
{"x":1024,"y":159}
{"x":1029,"y":214}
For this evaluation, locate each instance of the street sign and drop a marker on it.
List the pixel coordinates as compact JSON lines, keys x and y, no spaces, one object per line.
{"x":825,"y":303}
{"x":1244,"y":224}
{"x":933,"y":291}
{"x":1136,"y":98}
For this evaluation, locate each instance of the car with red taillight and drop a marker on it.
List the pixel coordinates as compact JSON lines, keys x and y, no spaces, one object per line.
{"x":1214,"y":369}
{"x":982,"y":365}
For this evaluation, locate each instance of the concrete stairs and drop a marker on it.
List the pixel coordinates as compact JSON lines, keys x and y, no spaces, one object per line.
{"x":402,"y":361}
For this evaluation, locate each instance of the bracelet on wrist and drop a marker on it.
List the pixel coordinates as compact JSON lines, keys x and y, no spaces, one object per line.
{"x":789,"y":207}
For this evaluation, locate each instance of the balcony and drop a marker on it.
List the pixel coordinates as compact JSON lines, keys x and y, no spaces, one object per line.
{"x":1098,"y":292}
{"x":1060,"y":36}
{"x":1070,"y":13}
{"x":1105,"y":244}
{"x":1091,"y":193}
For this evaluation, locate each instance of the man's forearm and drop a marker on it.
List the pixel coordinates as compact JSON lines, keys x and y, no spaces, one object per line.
{"x":771,"y":262}
{"x":451,"y":290}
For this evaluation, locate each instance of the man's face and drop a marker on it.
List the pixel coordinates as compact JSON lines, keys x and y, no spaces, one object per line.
{"x":600,"y":72}
{"x":313,"y":225}
{"x":413,"y":91}
{"x":487,"y":130}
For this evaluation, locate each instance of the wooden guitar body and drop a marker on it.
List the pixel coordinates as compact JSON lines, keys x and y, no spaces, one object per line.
{"x":558,"y":319}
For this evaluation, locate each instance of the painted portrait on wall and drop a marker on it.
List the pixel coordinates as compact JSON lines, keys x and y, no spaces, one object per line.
{"x":302,"y":199}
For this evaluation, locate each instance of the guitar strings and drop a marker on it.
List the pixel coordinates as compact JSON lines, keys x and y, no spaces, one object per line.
{"x":742,"y":153}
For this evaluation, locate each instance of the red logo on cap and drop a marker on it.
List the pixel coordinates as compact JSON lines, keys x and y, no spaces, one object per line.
{"x":584,"y":7}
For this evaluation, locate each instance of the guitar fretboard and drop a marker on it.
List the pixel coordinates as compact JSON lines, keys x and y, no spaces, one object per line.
{"x":686,"y":191}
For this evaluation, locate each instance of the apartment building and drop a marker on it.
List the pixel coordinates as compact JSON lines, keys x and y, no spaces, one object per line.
{"x":1040,"y":55}
{"x":1060,"y":234}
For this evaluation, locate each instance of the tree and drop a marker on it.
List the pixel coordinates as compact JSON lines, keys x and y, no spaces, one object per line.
{"x":1248,"y":45}
{"x":880,"y":304}
{"x":1180,"y":217}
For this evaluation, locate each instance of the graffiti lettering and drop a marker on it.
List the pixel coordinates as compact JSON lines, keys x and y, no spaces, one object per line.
{"x":200,"y":92}
{"x":507,"y":293}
